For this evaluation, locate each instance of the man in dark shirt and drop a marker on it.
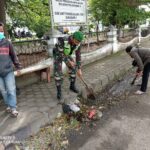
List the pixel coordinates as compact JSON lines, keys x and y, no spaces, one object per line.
{"x":8,"y":57}
{"x":142,"y":58}
{"x":62,"y":52}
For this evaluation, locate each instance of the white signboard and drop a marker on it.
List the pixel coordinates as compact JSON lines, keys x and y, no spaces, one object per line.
{"x":69,"y":11}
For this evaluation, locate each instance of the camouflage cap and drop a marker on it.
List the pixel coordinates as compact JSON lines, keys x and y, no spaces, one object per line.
{"x":78,"y":36}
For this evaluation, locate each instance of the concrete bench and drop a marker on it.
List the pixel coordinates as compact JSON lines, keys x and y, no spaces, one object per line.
{"x":44,"y":67}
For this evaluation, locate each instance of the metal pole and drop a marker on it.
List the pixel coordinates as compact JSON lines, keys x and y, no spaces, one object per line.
{"x":139,"y":34}
{"x":87,"y":23}
{"x":51,"y":41}
{"x":51,"y":14}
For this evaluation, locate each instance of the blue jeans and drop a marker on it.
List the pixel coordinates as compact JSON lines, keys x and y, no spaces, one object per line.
{"x":8,"y":89}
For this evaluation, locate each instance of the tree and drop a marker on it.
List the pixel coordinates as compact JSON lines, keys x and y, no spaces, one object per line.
{"x":26,"y":13}
{"x":2,"y":11}
{"x":117,"y":12}
{"x":32,"y":14}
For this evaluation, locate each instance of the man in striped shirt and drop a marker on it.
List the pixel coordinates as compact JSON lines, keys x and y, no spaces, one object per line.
{"x":8,"y":58}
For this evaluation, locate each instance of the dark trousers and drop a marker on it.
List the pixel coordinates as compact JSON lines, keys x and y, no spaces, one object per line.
{"x":145,"y":77}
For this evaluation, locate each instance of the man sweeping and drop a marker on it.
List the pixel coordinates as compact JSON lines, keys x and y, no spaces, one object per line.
{"x":62,"y":53}
{"x":142,"y":59}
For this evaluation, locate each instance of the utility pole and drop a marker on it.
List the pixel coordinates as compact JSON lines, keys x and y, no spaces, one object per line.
{"x":53,"y":33}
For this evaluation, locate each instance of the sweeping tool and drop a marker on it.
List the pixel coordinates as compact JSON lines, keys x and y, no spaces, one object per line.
{"x":89,"y":89}
{"x":134,"y":79}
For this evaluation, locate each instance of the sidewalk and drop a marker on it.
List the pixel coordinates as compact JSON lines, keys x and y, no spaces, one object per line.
{"x":125,"y":126}
{"x":37,"y":103}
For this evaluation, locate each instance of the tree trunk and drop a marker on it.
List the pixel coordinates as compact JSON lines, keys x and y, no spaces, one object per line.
{"x":97,"y":30}
{"x":2,"y":13}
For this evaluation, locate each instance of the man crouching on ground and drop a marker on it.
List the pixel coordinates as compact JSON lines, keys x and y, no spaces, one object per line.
{"x":7,"y":79}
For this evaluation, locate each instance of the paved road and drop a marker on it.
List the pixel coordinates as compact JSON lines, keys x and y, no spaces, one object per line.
{"x":126,"y":126}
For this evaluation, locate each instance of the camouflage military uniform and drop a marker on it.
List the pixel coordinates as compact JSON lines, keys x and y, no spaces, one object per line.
{"x":60,"y":56}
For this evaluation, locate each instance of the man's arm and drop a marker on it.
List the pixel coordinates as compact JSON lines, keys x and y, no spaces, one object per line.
{"x":14,"y":57}
{"x":138,"y":59}
{"x":78,"y":61}
{"x":78,"y":58}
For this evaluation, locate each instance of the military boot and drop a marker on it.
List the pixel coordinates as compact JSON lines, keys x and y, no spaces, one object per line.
{"x":59,"y":95}
{"x":72,"y":86}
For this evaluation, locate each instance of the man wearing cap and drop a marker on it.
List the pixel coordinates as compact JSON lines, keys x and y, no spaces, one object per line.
{"x":62,"y":52}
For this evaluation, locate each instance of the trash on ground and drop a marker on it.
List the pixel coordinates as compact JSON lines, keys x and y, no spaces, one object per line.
{"x":59,"y":115}
{"x":66,"y":108}
{"x":92,"y":114}
{"x":77,"y":113}
{"x":74,"y":108}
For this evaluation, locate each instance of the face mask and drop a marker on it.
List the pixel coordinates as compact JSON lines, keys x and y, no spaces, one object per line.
{"x":2,"y":35}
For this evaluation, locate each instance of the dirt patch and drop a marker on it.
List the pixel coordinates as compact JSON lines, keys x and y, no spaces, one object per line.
{"x":125,"y":39}
{"x":92,"y":46}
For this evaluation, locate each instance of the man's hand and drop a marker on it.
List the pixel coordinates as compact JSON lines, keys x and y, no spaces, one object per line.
{"x":71,"y":64}
{"x":79,"y":72}
{"x":18,"y":72}
{"x":139,"y":73}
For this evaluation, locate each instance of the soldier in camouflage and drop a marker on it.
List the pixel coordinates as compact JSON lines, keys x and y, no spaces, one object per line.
{"x":62,"y":52}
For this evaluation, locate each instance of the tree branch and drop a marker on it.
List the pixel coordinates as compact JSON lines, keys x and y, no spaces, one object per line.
{"x":26,"y":13}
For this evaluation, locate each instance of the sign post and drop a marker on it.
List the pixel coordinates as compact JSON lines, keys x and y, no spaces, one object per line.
{"x":66,"y":13}
{"x":69,"y":12}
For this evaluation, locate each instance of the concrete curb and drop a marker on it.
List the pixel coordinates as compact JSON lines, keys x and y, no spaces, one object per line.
{"x":99,"y":84}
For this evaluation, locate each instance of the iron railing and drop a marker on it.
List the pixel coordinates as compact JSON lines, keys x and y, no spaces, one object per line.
{"x":31,"y":52}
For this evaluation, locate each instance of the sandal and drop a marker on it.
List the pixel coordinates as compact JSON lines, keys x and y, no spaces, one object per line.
{"x":8,"y":109}
{"x":14,"y":113}
{"x":139,"y":92}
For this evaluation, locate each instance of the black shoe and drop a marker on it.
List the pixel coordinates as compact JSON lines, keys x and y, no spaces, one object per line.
{"x":72,"y":85}
{"x":60,"y":100}
{"x":73,"y":88}
{"x":59,"y":97}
